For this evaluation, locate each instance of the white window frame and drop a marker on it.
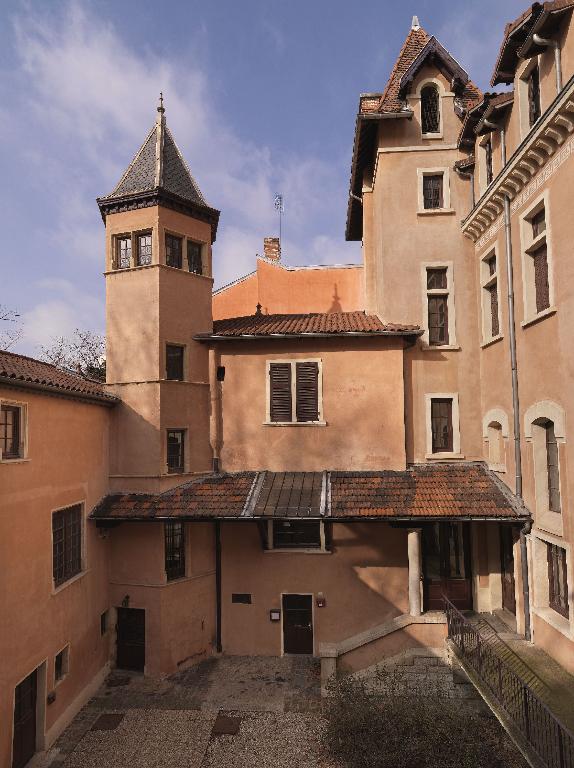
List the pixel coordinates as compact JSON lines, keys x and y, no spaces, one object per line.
{"x":486,"y":281}
{"x":452,"y":343}
{"x":436,"y":82}
{"x":24,"y":443}
{"x":294,"y":422}
{"x":456,"y":454}
{"x":421,"y":173}
{"x":500,"y":417}
{"x":541,"y":586}
{"x":320,"y":550}
{"x":528,"y":246}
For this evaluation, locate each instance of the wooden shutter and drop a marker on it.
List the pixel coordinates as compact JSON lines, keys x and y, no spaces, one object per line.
{"x":542,"y":289}
{"x":307,"y":389}
{"x":280,"y":402}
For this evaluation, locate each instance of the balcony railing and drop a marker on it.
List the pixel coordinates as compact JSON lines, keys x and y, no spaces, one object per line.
{"x":541,"y":729}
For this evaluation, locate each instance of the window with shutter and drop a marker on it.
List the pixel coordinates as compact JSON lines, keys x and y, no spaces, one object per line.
{"x":280,"y":397}
{"x":557,"y":580}
{"x":432,"y":191}
{"x":441,"y":425}
{"x":430,"y":109}
{"x":552,"y":468}
{"x":307,"y":391}
{"x":541,"y":287}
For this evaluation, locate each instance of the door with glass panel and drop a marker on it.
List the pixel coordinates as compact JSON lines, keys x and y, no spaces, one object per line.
{"x":446,"y":565}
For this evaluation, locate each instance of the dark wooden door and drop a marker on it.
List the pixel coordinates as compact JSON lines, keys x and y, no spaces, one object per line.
{"x":507,"y":540}
{"x":446,"y":565}
{"x":131,"y":639}
{"x":298,"y":624}
{"x":24,"y":743}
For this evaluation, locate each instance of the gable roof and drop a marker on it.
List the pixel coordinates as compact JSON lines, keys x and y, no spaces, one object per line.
{"x":21,"y":371}
{"x":158,"y":174}
{"x":311,"y":324}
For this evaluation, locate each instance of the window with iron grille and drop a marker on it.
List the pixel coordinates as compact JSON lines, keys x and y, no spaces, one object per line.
{"x":441,"y":425}
{"x":66,"y":543}
{"x":175,"y":450}
{"x":174,"y":550}
{"x":173,"y":251}
{"x":490,"y":304}
{"x":552,"y":468}
{"x":144,"y":249}
{"x":11,"y":444}
{"x":433,"y":190}
{"x":430,"y":109}
{"x":488,"y":161}
{"x":534,"y":110}
{"x":437,"y":304}
{"x":541,"y":285}
{"x":296,"y":534}
{"x":124,"y":252}
{"x":194,"y":263}
{"x":294,"y":392}
{"x":174,"y":362}
{"x":557,"y":580}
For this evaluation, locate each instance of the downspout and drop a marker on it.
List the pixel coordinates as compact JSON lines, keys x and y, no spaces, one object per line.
{"x":516,"y":416}
{"x":215,"y":426}
{"x":557,"y":62}
{"x":503,"y":145}
{"x":218,"y":646}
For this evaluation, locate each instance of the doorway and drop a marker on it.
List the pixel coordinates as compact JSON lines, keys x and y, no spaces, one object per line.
{"x":24,"y":739}
{"x":298,"y":624}
{"x":507,"y":542}
{"x":131,"y":639}
{"x":446,"y":565}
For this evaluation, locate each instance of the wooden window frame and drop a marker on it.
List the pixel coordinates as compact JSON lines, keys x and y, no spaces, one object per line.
{"x":181,"y":468}
{"x":176,"y":238}
{"x":428,"y":86}
{"x":447,"y":292}
{"x":552,"y":468}
{"x":323,"y":546}
{"x":189,"y":242}
{"x":531,"y":245}
{"x":435,"y":403}
{"x":147,"y":259}
{"x":455,"y":418}
{"x":434,"y":293}
{"x":293,"y":363}
{"x":557,"y":577}
{"x":22,"y":449}
{"x":175,"y":543}
{"x":117,"y":240}
{"x":67,"y":553}
{"x":181,"y":347}
{"x":446,"y":197}
{"x":490,"y":281}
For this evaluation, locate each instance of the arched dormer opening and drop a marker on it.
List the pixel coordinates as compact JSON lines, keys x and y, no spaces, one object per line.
{"x":430,"y":109}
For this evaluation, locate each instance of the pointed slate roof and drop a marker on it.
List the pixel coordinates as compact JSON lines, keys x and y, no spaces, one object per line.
{"x":158,"y":174}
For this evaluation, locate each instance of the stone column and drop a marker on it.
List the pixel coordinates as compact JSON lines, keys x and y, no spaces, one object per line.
{"x":414,"y":552}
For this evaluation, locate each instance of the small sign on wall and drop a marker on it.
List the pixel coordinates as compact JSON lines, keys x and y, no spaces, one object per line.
{"x":275,"y":614}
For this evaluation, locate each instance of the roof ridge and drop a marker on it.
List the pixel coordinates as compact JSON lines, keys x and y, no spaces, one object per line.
{"x":186,"y":166}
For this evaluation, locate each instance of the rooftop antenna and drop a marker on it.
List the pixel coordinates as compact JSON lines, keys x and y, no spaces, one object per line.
{"x":160,"y":107}
{"x":281,"y":209}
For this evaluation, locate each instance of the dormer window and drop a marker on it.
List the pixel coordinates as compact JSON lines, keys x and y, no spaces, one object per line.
{"x":534,"y":110}
{"x":430,"y":109}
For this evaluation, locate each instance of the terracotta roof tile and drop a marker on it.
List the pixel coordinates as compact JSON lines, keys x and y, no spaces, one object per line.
{"x":300,"y":324}
{"x":19,"y":368}
{"x":413,"y":45}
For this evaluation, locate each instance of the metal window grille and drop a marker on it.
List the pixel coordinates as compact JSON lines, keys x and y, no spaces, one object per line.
{"x":174,"y":550}
{"x":441,"y":425}
{"x":557,"y":579}
{"x":66,"y":543}
{"x":541,"y":286}
{"x":302,"y":534}
{"x":194,"y":262}
{"x":173,"y":251}
{"x":552,"y":468}
{"x":144,"y":249}
{"x":174,"y":362}
{"x":534,"y":110}
{"x":123,"y":252}
{"x":10,"y":424}
{"x":175,"y":450}
{"x":430,"y":109}
{"x":432,"y":191}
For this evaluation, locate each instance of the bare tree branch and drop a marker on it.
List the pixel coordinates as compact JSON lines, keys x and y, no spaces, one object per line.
{"x":83,"y":353}
{"x":11,"y":333}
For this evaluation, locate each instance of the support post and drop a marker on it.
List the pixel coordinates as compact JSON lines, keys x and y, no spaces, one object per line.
{"x":218,"y":646}
{"x":414,"y":553}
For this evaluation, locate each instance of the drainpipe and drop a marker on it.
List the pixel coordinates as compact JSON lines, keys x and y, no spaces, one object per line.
{"x":516,"y":415}
{"x":557,"y":63}
{"x":215,"y":426}
{"x":503,"y":145}
{"x":218,"y":646}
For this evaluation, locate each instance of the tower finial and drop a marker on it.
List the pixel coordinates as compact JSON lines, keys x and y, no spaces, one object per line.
{"x":415,"y":23}
{"x":160,"y":107}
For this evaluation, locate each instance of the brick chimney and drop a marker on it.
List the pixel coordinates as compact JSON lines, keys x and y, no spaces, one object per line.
{"x":272,"y":248}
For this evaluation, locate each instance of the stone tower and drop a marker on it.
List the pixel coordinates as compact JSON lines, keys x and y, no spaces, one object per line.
{"x":159,"y":233}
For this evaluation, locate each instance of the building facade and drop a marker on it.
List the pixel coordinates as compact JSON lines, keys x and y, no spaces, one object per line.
{"x":311,"y":459}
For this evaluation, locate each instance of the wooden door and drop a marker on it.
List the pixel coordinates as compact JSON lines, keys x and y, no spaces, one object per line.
{"x":507,"y":540}
{"x":24,"y":742}
{"x":446,"y":565}
{"x":298,"y":624}
{"x":131,"y":639}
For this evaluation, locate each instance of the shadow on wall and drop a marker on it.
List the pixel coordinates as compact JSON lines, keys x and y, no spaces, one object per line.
{"x":336,"y":306}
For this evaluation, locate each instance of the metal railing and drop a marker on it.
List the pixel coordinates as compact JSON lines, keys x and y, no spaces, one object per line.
{"x":541,"y":729}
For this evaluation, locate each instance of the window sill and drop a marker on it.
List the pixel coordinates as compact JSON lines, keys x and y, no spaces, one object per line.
{"x":296,"y":551}
{"x":444,"y":456}
{"x":72,"y":580}
{"x":491,"y":341}
{"x":540,"y":316}
{"x":555,"y":619}
{"x":15,"y":460}
{"x":441,"y":348}
{"x":294,"y":423}
{"x":500,"y":468}
{"x":436,"y":212}
{"x":435,"y":136}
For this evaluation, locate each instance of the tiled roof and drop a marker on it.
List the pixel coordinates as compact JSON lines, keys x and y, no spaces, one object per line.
{"x":413,"y":45}
{"x":424,"y":490}
{"x":335,"y":323}
{"x":465,"y":162}
{"x":16,"y":369}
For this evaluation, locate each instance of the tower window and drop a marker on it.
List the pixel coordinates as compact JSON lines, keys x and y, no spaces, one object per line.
{"x":144,"y":249}
{"x":174,"y":362}
{"x":430,"y":109}
{"x":173,"y":251}
{"x":124,"y":252}
{"x":175,"y":450}
{"x":194,"y":257}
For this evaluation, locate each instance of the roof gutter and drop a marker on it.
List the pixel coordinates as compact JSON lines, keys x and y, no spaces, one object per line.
{"x":278,"y":336}
{"x":109,"y":400}
{"x":331,"y":518}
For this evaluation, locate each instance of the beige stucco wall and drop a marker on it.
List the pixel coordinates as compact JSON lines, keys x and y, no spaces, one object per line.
{"x":362,"y":383}
{"x":67,"y":464}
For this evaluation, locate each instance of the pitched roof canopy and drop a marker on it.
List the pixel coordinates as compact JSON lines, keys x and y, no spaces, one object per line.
{"x":158,"y":174}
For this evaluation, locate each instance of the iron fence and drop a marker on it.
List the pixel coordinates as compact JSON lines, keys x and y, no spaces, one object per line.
{"x":542,"y":730}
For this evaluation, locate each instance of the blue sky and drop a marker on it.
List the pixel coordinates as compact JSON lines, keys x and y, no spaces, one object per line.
{"x":261,"y":97}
